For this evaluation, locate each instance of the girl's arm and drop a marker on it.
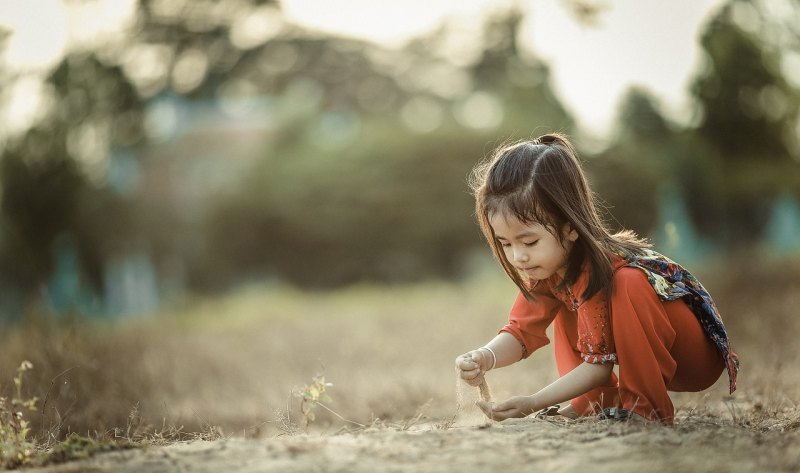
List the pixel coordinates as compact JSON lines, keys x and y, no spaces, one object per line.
{"x":473,"y":364}
{"x":580,"y":380}
{"x":506,"y":348}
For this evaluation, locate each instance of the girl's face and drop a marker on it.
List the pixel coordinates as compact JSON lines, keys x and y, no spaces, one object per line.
{"x":531,"y":248}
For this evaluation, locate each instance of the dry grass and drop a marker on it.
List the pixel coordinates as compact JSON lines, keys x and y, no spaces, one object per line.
{"x":230,"y":366}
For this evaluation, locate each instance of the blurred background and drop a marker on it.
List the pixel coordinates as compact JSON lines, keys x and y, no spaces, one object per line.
{"x":220,"y":197}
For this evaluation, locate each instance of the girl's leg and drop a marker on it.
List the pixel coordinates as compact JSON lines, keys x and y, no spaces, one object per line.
{"x":699,"y":364}
{"x":660,"y":346}
{"x":565,"y":332}
{"x":643,"y":337}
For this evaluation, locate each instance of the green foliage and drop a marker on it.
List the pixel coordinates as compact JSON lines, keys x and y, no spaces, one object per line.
{"x":16,"y":448}
{"x":340,"y":182}
{"x":741,"y":151}
{"x":645,"y":153}
{"x":392,"y":209}
{"x":19,"y":447}
{"x":38,"y":192}
{"x":76,"y":447}
{"x":314,"y":395}
{"x":338,"y":185}
{"x":746,"y":103}
{"x":745,"y":144}
{"x":389,"y":204}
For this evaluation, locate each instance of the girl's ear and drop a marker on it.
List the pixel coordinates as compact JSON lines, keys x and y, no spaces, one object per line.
{"x":569,"y":233}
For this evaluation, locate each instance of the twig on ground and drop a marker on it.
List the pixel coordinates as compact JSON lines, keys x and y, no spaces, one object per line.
{"x":47,"y":397}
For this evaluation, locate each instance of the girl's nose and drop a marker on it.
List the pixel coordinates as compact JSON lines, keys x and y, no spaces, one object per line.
{"x":520,"y":255}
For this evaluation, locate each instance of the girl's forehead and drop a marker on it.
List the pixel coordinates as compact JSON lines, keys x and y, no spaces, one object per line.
{"x":519,"y":207}
{"x":505,"y":223}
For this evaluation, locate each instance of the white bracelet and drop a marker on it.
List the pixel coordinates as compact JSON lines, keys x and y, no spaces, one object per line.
{"x":494,"y":357}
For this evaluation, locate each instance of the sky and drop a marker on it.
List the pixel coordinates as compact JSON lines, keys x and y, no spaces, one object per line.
{"x":648,"y":43}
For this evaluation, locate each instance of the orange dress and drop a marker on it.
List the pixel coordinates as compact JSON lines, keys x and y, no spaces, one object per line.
{"x":659,"y":345}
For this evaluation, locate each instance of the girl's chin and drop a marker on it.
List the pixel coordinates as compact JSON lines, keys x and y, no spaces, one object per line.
{"x":535,"y":274}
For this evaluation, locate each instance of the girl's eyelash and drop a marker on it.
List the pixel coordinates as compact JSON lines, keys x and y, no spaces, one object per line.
{"x":506,"y":244}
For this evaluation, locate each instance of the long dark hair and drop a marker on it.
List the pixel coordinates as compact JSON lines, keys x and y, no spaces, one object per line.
{"x":541,"y":181}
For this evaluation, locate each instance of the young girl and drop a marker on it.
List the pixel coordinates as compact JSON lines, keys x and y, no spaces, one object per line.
{"x":610,"y":298}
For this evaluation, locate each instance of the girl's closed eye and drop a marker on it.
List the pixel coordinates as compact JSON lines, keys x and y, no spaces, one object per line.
{"x":531,"y":243}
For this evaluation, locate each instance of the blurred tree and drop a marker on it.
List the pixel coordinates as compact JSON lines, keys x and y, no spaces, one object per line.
{"x":55,"y":175}
{"x":587,"y":12}
{"x":47,"y":176}
{"x":642,"y":154}
{"x":40,"y":187}
{"x":385,"y":196}
{"x":640,"y":117}
{"x":359,"y":170}
{"x":192,"y":48}
{"x":741,"y":153}
{"x":522,"y":80}
{"x":749,"y":115}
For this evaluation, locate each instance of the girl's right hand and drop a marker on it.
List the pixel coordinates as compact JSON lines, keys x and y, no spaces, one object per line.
{"x":472,"y":365}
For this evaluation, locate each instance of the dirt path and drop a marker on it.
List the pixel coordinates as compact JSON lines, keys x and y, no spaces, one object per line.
{"x":515,"y":445}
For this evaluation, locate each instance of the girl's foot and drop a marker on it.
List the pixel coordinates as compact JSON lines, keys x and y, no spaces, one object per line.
{"x":624,"y":415}
{"x":568,"y":411}
{"x":614,"y":413}
{"x":556,"y":410}
{"x":547,"y":412}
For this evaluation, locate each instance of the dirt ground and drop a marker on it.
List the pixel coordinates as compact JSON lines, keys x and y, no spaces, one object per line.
{"x":240,"y":363}
{"x":558,"y":445}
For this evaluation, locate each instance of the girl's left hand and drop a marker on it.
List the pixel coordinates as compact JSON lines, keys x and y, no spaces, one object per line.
{"x":517,"y":406}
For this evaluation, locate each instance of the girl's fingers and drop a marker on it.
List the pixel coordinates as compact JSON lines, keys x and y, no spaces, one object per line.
{"x":500,"y":408}
{"x":471,"y":373}
{"x":503,"y":406}
{"x":486,"y":407}
{"x":472,"y":377}
{"x":503,"y":415}
{"x":499,"y":411}
{"x":466,"y":363}
{"x":492,"y":412}
{"x":476,"y":381}
{"x":517,"y":403}
{"x":509,"y":414}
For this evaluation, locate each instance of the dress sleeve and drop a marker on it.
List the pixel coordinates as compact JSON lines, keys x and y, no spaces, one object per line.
{"x":528,"y":321}
{"x":595,"y":341}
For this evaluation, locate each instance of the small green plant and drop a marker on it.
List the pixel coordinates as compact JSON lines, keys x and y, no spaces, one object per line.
{"x":19,"y":448}
{"x":314,"y":395}
{"x":76,"y":447}
{"x":15,"y":447}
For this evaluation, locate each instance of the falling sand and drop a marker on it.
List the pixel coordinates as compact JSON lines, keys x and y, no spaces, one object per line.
{"x":485,"y":395}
